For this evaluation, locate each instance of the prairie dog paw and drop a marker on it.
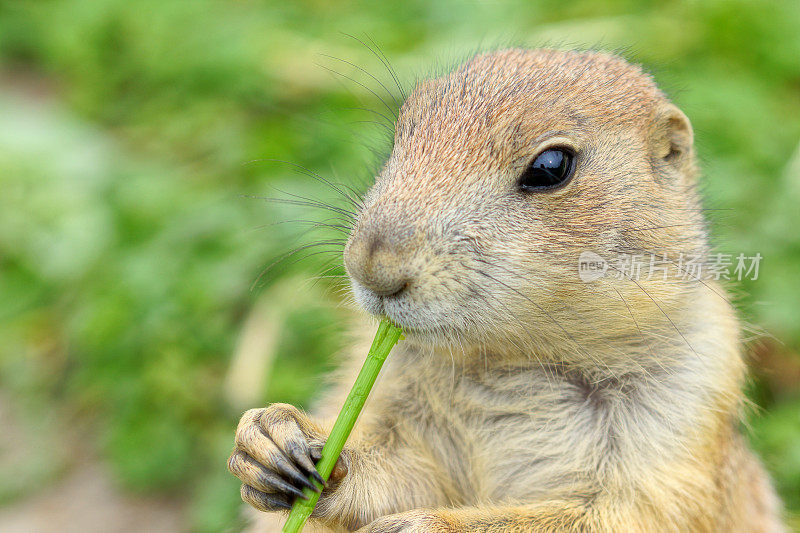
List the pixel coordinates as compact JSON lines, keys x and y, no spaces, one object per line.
{"x":276,"y":449}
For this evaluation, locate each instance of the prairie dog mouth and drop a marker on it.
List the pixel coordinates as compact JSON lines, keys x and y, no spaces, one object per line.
{"x":399,"y":307}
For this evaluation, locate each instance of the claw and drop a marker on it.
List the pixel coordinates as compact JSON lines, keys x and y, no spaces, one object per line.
{"x":316,"y":454}
{"x":292,"y":472}
{"x":318,"y":477}
{"x":282,"y":485}
{"x":263,"y":501}
{"x":251,"y":471}
{"x":302,"y":455}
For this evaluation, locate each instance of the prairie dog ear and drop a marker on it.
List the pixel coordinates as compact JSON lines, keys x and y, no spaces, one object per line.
{"x":671,"y":138}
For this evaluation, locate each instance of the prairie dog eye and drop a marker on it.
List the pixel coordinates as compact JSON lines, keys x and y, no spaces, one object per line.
{"x":549,"y":170}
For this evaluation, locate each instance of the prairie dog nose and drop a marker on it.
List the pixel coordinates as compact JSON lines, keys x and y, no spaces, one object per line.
{"x":378,"y":262}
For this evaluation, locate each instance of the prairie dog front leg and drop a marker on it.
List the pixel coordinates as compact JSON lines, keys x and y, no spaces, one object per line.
{"x":276,"y":448}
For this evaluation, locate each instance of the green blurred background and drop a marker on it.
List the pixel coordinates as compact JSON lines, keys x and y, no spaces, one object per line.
{"x":135,"y":324}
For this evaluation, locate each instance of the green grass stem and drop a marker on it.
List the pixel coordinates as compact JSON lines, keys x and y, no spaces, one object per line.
{"x":385,"y":339}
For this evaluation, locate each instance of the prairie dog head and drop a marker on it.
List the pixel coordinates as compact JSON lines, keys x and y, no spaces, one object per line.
{"x":502,"y":173}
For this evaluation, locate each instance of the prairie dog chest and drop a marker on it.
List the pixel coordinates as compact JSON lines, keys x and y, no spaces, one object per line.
{"x":524,"y":431}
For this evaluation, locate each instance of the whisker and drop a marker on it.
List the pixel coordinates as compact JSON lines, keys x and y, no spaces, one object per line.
{"x":556,"y":322}
{"x":336,"y":187}
{"x":313,"y":223}
{"x":283,"y":257}
{"x":636,"y":323}
{"x":376,"y":95}
{"x":476,"y":290}
{"x":391,"y":95}
{"x":660,"y":309}
{"x":307,"y":202}
{"x":374,"y":112}
{"x":381,"y":124}
{"x":387,"y":64}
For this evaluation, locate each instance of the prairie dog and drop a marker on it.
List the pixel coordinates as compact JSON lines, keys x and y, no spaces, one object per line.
{"x":523,"y":397}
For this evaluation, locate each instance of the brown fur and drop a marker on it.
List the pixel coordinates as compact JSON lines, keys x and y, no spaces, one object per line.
{"x":523,"y":398}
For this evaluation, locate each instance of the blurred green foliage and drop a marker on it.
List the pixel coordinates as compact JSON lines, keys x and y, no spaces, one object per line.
{"x":132,"y":134}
